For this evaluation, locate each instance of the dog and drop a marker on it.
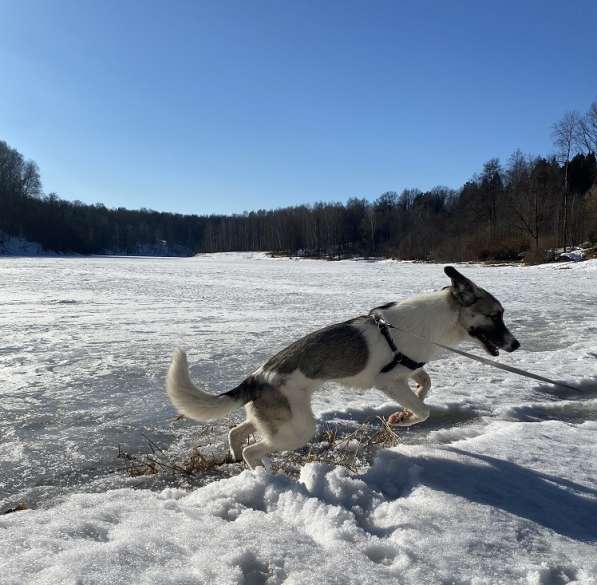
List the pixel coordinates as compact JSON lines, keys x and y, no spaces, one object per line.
{"x":383,"y":349}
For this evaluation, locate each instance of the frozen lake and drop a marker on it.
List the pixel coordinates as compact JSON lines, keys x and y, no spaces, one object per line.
{"x":87,"y":342}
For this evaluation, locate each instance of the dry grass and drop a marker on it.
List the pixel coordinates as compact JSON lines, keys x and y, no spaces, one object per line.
{"x":19,"y":507}
{"x":158,"y":461}
{"x":352,"y":450}
{"x":334,"y":445}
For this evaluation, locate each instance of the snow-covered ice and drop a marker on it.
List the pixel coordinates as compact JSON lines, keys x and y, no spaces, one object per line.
{"x":498,"y":486}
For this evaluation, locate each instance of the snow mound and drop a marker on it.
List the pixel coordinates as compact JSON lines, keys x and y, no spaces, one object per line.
{"x":418,"y":515}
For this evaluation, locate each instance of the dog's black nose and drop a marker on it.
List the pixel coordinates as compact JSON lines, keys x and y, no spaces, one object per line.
{"x":514,"y":345}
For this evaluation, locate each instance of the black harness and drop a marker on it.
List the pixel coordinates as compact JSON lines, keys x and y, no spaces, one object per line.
{"x":399,"y":358}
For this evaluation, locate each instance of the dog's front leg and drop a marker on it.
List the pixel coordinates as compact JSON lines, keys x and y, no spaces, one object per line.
{"x":423,"y":381}
{"x":415,"y":410}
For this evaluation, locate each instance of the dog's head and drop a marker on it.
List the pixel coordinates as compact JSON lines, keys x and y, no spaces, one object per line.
{"x":481,"y":314}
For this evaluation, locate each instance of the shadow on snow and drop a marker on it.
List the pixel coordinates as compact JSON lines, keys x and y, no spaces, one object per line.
{"x":566,"y":507}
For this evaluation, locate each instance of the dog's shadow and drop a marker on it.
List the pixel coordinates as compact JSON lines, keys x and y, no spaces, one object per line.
{"x":566,"y":507}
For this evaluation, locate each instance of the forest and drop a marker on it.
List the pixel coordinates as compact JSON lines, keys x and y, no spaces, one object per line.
{"x":507,"y":211}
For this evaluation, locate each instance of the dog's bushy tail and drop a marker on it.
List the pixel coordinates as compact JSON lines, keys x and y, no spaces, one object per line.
{"x":190,"y":400}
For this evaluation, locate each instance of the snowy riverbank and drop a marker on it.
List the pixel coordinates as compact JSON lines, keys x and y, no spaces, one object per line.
{"x":499,"y":486}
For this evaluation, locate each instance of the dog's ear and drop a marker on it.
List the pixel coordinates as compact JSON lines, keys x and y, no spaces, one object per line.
{"x":463,"y":289}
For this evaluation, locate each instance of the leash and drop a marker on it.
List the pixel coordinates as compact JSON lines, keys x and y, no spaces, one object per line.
{"x":499,"y":366}
{"x":483,"y":360}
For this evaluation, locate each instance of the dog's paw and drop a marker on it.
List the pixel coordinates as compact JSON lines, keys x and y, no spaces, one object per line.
{"x":400,"y":417}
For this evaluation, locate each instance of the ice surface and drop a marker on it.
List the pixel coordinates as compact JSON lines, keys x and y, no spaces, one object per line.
{"x":498,"y":486}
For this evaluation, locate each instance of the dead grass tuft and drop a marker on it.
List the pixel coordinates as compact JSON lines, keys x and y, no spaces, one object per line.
{"x":19,"y":507}
{"x":158,"y":461}
{"x":350,"y":447}
{"x":352,"y":450}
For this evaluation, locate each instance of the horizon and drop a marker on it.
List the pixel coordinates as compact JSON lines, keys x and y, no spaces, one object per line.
{"x":217,"y":109}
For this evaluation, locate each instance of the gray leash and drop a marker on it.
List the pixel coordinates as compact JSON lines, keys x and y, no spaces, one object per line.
{"x":488,"y":362}
{"x":512,"y":369}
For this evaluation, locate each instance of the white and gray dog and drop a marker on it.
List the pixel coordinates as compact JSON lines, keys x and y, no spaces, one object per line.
{"x":381,"y":350}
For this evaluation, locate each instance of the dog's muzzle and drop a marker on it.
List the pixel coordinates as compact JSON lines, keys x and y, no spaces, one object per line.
{"x":492,"y":343}
{"x":512,"y":346}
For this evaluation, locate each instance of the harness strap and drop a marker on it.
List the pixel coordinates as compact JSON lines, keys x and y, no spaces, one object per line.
{"x":399,"y":358}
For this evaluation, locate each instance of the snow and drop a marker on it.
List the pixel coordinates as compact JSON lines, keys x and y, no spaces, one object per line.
{"x":15,"y":246}
{"x":498,"y":486}
{"x":573,"y":256}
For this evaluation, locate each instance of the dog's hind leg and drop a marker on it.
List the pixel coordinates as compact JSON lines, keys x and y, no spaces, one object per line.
{"x":237,"y":437}
{"x":285,"y":422}
{"x":254,"y":454}
{"x":397,"y":389}
{"x":423,"y":381}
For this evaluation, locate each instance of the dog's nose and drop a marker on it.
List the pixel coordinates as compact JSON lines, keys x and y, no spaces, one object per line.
{"x":514,"y":345}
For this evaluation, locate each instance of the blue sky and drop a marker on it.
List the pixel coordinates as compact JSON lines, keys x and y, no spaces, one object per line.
{"x":211,"y":107}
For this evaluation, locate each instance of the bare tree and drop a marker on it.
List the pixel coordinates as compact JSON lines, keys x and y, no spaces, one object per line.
{"x":31,"y":182}
{"x":564,"y":135}
{"x":519,"y":196}
{"x":528,"y":194}
{"x":587,"y":131}
{"x":372,"y":225}
{"x":491,"y":184}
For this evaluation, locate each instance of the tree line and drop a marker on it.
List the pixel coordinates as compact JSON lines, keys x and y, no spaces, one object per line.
{"x":524,"y":206}
{"x":74,"y":227}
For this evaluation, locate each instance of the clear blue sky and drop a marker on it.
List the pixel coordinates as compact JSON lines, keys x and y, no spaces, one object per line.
{"x":227,"y":106}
